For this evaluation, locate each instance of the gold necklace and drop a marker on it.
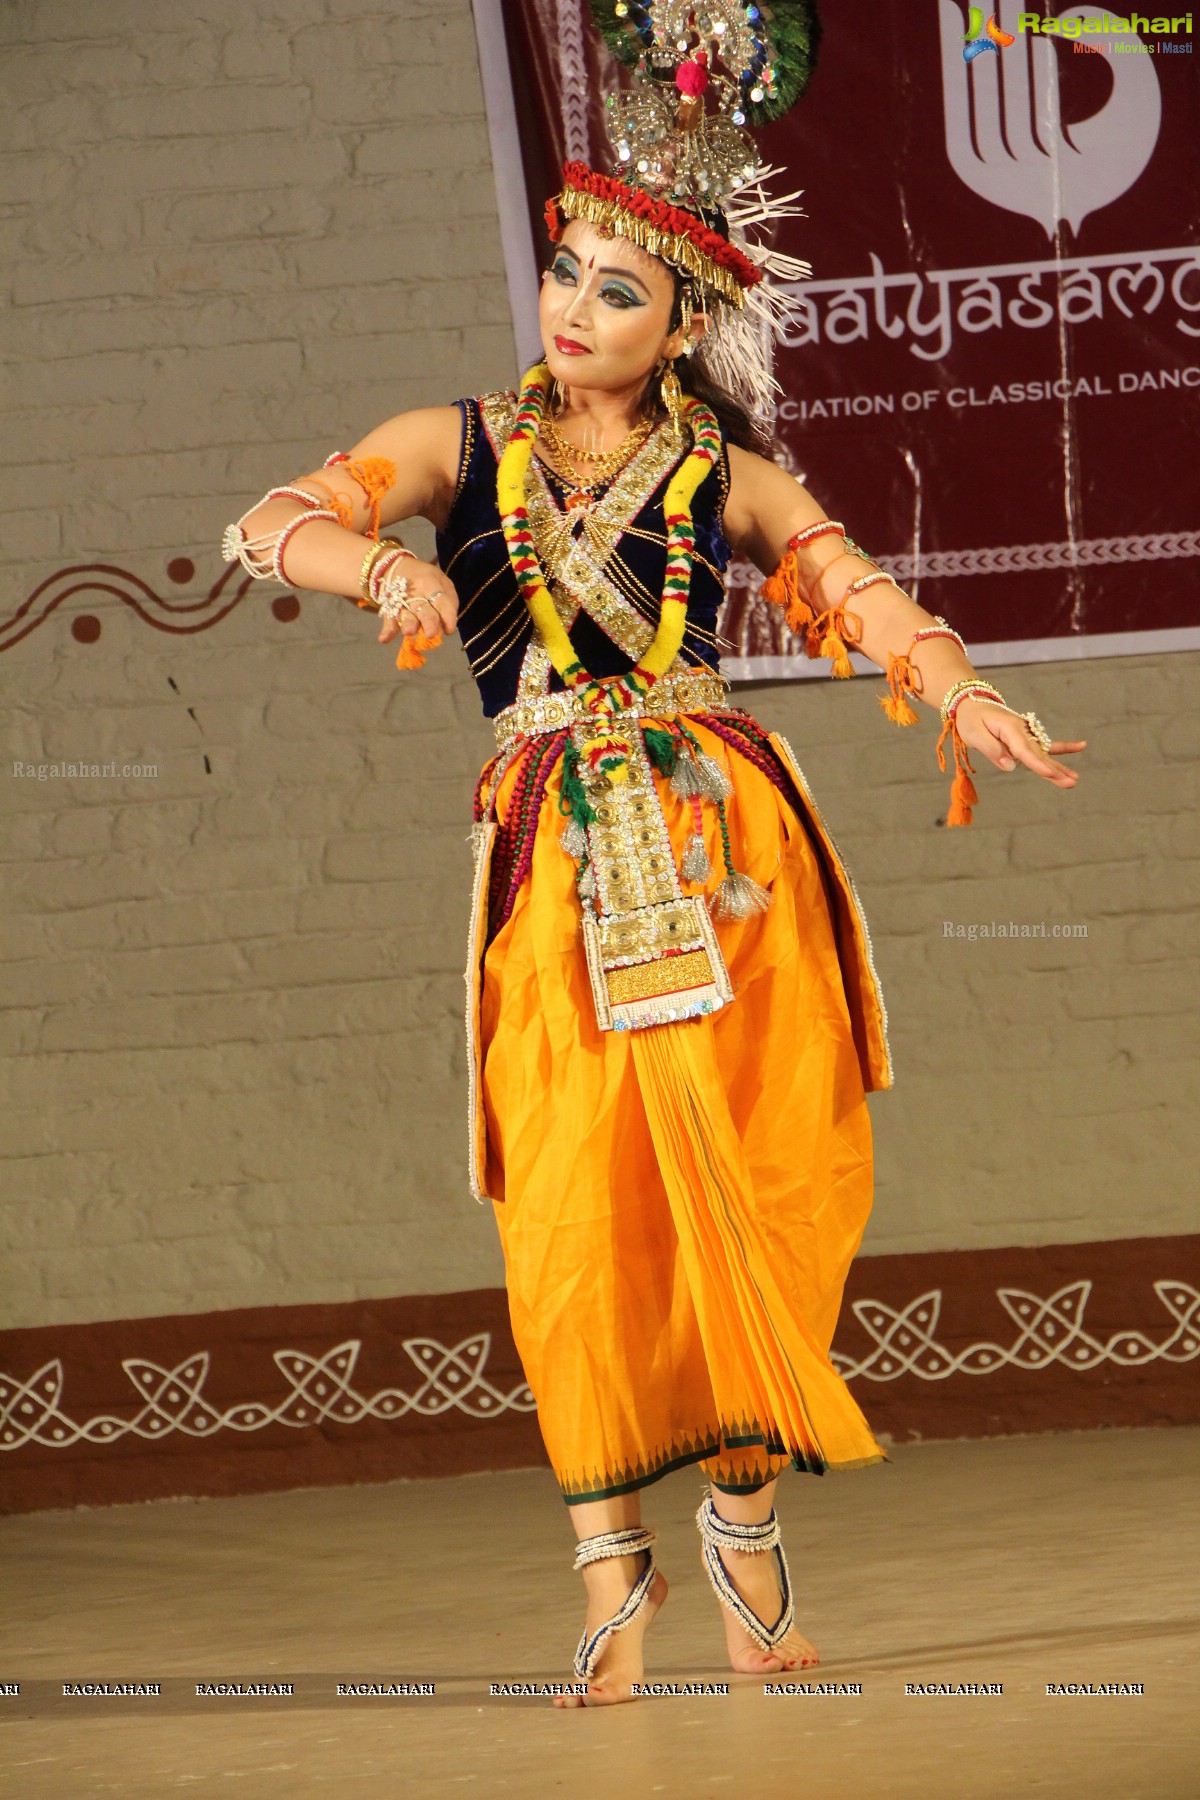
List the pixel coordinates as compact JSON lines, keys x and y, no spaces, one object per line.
{"x":609,"y":463}
{"x":553,"y":433}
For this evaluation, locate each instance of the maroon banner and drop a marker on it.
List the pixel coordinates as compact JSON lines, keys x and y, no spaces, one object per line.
{"x":995,"y":381}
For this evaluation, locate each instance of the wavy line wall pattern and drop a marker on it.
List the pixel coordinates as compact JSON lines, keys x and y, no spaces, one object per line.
{"x":321,"y":1388}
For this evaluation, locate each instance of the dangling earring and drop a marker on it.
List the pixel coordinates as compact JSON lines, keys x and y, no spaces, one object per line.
{"x":672,"y":399}
{"x":558,"y":397}
{"x":686,"y":313}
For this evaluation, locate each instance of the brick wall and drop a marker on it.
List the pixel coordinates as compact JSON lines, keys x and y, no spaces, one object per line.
{"x":235,"y":238}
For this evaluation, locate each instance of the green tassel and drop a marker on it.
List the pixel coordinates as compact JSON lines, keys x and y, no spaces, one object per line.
{"x":661,"y":749}
{"x":573,"y":798}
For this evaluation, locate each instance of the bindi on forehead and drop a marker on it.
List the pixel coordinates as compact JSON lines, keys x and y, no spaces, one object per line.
{"x":614,"y":256}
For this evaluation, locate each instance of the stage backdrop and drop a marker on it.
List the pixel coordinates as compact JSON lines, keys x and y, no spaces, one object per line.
{"x":996,"y":379}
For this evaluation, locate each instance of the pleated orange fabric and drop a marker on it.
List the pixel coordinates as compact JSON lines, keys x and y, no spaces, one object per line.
{"x":678,"y":1207}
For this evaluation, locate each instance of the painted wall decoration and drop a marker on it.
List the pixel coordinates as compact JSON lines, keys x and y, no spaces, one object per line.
{"x":1047,"y":1332}
{"x":318,"y":1388}
{"x":996,"y":378}
{"x":322,"y":1387}
{"x":82,"y":589}
{"x":935,"y":1344}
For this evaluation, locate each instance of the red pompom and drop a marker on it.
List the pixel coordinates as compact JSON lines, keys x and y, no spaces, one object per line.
{"x":691,"y":78}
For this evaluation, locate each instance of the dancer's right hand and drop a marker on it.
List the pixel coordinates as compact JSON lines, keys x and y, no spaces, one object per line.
{"x":434,"y":601}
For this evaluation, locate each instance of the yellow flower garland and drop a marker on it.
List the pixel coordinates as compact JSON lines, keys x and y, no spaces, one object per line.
{"x":614,"y":692}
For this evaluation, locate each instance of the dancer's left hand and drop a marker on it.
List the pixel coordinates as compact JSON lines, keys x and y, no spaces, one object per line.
{"x":1005,"y":739}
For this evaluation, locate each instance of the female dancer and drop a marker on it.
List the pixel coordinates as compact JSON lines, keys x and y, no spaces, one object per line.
{"x":674,"y":1015}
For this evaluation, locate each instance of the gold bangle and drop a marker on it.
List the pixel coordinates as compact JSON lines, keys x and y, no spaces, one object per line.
{"x":383,"y":546}
{"x":982,"y":690}
{"x":368,"y":563}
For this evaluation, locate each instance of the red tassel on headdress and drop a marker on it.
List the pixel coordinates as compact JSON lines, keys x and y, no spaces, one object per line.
{"x":963,"y":796}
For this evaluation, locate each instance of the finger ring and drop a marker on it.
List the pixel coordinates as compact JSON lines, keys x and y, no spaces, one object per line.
{"x":1037,"y":729}
{"x":437,"y":594}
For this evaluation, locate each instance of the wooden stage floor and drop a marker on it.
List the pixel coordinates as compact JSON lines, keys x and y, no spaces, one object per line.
{"x":1029,"y":1562}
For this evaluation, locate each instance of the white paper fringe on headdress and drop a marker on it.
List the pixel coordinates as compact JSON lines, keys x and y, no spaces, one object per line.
{"x":738,"y":351}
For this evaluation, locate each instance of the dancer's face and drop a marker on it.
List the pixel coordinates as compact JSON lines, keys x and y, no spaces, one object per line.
{"x":605,"y":311}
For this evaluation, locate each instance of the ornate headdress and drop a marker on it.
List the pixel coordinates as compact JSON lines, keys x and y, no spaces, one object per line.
{"x":689,"y":183}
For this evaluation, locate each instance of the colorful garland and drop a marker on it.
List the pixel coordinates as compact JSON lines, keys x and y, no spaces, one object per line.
{"x":608,"y":697}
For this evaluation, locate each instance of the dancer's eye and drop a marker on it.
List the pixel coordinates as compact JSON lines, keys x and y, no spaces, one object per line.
{"x":563,"y":270}
{"x":620,"y":296}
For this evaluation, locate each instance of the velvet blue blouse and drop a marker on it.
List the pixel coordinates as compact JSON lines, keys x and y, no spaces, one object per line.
{"x":495,"y":634}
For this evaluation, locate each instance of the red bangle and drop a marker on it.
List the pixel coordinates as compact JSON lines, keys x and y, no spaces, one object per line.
{"x":820,"y":529}
{"x":979,"y":693}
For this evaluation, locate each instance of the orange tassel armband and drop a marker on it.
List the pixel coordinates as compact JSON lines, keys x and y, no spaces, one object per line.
{"x":834,"y":628}
{"x":782,"y":588}
{"x":963,"y":795}
{"x":824,"y":633}
{"x":903,"y":679}
{"x":374,"y":475}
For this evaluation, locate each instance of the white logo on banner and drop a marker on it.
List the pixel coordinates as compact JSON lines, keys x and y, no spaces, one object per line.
{"x":573,"y":80}
{"x":1016,"y":151}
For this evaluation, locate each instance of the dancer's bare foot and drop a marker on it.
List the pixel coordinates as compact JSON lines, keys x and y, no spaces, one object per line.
{"x":608,"y":1584}
{"x":756,"y":1578}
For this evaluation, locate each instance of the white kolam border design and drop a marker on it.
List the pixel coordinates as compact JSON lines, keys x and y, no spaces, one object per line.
{"x":320,"y":1387}
{"x":999,"y":559}
{"x":1048,"y":1332}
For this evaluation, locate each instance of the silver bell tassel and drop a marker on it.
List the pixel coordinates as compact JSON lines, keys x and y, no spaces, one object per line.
{"x":574,"y":840}
{"x":696,"y":865}
{"x":739,"y":897}
{"x":714,"y":783}
{"x":687,"y":780}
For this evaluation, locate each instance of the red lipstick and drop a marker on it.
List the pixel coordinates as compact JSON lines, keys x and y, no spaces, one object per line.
{"x":568,"y":347}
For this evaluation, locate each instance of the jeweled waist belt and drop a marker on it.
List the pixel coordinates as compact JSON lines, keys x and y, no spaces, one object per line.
{"x":693,"y":692}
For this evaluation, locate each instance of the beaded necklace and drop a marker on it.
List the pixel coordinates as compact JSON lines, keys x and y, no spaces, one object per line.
{"x":609,"y":695}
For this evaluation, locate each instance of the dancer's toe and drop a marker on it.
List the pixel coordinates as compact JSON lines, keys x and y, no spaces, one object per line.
{"x":621,"y":1664}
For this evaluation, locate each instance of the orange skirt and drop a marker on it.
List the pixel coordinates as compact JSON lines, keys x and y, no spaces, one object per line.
{"x":679,"y":1206}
